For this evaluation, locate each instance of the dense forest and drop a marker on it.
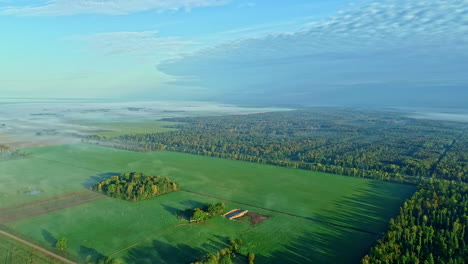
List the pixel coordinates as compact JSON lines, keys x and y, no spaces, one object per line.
{"x":135,"y":186}
{"x":380,"y":145}
{"x":432,"y":228}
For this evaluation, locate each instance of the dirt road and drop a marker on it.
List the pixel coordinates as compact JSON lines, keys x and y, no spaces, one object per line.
{"x":43,"y":250}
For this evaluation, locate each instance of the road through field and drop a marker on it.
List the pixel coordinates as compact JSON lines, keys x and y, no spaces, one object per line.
{"x":43,"y":250}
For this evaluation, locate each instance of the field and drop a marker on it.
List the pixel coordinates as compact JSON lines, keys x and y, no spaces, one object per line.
{"x":13,"y":252}
{"x":114,"y":129}
{"x":315,"y":217}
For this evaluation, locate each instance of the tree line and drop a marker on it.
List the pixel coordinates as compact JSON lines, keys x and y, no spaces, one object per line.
{"x":432,"y":228}
{"x":135,"y":186}
{"x":378,"y":145}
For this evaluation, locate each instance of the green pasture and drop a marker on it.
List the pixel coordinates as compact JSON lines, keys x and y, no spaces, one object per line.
{"x":114,"y":129}
{"x":14,"y":252}
{"x":106,"y":226}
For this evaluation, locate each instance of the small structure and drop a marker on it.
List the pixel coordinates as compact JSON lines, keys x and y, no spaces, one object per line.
{"x":236,"y":213}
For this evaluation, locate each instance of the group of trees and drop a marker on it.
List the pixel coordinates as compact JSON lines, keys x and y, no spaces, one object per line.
{"x":225,"y":255}
{"x":209,"y":210}
{"x":384,"y":146}
{"x":135,"y":186}
{"x":432,"y":228}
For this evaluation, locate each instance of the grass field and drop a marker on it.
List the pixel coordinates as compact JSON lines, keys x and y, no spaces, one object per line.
{"x":114,"y":129}
{"x":315,"y":217}
{"x":14,"y":252}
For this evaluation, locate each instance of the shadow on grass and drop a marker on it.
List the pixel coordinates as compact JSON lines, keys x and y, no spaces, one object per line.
{"x":178,"y":213}
{"x":91,"y":181}
{"x":172,"y":210}
{"x":311,"y":248}
{"x":161,"y":252}
{"x":370,"y":208}
{"x":192,"y":204}
{"x":187,"y":211}
{"x":90,"y":255}
{"x":319,"y":248}
{"x":49,"y":238}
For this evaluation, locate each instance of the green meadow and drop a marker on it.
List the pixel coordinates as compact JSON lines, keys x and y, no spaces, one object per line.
{"x":12,"y":251}
{"x":314,"y":217}
{"x":114,"y":129}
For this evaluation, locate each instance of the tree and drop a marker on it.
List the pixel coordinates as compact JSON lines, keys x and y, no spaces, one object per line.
{"x":235,"y":244}
{"x":251,"y":258}
{"x":61,"y":243}
{"x":199,"y":215}
{"x":226,"y":259}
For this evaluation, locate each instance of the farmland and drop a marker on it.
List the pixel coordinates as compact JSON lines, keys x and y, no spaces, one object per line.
{"x":12,"y":252}
{"x":113,"y":129}
{"x":315,"y":217}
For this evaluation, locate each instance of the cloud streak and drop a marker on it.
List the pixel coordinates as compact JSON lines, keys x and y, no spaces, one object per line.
{"x":106,"y":7}
{"x":394,"y":43}
{"x":140,"y":45}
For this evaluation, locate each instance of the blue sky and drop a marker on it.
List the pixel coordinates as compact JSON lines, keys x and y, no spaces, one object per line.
{"x":237,"y":50}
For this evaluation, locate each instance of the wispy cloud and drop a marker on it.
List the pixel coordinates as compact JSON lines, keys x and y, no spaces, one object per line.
{"x":247,"y":5}
{"x":107,"y":7}
{"x":146,"y":45}
{"x":392,"y":43}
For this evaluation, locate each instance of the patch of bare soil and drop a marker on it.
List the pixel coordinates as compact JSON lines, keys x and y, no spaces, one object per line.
{"x":256,"y":218}
{"x":35,"y":208}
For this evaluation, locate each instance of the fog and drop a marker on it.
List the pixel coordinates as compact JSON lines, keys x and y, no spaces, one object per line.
{"x":25,"y":123}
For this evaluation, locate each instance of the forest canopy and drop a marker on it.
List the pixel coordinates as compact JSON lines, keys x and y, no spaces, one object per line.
{"x":432,"y":227}
{"x":136,"y":186}
{"x":380,"y":145}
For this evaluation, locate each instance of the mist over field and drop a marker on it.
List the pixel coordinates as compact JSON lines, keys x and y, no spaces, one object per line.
{"x":29,"y":122}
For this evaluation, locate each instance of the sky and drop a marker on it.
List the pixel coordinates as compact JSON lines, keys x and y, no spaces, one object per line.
{"x":308,"y":52}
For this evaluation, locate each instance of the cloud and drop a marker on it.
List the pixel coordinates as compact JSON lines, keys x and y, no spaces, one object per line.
{"x":246,"y":5}
{"x":405,"y":44}
{"x":141,"y":45}
{"x":107,"y":7}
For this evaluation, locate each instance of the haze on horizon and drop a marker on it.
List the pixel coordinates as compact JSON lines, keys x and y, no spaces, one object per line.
{"x":258,"y":52}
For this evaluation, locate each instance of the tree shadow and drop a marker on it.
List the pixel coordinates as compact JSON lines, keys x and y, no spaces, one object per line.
{"x":91,"y":181}
{"x":368,"y":209}
{"x":320,"y":248}
{"x":180,"y":214}
{"x":192,"y":204}
{"x":161,"y":252}
{"x":215,"y":245}
{"x":49,"y":238}
{"x":90,"y":255}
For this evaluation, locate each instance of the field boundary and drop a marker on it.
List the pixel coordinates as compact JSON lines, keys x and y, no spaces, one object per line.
{"x":45,"y":206}
{"x":43,"y":250}
{"x":57,"y":197}
{"x":285,"y":213}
